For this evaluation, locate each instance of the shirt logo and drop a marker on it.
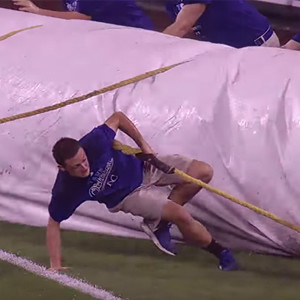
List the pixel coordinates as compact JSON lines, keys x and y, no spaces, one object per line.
{"x":72,"y":5}
{"x":103,"y":178}
{"x":179,"y":7}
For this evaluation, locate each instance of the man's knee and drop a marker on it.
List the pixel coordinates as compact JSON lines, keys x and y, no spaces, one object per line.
{"x":202,"y":170}
{"x":208,"y":172}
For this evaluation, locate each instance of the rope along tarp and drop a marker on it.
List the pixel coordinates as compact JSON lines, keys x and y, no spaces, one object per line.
{"x":89,"y":95}
{"x":12,"y":33}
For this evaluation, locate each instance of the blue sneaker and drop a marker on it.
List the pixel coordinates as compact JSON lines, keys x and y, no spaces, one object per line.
{"x":227,"y":261}
{"x":161,"y":238}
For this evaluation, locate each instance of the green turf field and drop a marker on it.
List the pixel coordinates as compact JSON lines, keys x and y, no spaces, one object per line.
{"x":17,"y":284}
{"x":134,"y":269}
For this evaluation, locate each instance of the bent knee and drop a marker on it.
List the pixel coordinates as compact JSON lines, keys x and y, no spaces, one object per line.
{"x":208,"y":172}
{"x":201,"y":170}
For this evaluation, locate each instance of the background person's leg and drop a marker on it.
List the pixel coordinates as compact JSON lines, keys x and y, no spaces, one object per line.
{"x":292,"y":45}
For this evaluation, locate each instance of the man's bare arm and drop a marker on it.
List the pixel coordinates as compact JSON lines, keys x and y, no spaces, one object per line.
{"x":186,"y":19}
{"x":54,"y":244}
{"x":28,"y":6}
{"x":119,"y":121}
{"x":292,"y":45}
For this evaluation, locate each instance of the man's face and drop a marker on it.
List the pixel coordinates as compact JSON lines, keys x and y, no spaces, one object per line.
{"x":78,"y":165}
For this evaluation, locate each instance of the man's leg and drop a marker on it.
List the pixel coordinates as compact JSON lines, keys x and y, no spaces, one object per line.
{"x":150,"y":204}
{"x":185,"y":191}
{"x":292,"y":45}
{"x":196,"y":234}
{"x":181,"y":193}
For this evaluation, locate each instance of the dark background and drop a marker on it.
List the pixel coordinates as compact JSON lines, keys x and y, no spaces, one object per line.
{"x":284,"y":19}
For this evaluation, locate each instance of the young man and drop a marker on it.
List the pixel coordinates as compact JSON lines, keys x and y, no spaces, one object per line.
{"x":119,"y":12}
{"x":232,"y":22}
{"x":90,"y":169}
{"x":294,"y":43}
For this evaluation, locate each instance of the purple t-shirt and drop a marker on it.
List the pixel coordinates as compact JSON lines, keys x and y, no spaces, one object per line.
{"x":231,"y":22}
{"x":118,"y":12}
{"x":114,"y":175}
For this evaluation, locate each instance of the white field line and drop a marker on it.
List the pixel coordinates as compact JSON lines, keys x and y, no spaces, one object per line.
{"x":63,"y":279}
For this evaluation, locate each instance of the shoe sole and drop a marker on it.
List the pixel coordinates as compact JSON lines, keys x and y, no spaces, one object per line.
{"x":154,"y":239}
{"x":234,"y":268}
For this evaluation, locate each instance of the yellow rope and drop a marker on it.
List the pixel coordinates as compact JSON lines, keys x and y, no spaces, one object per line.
{"x":89,"y":95}
{"x":129,"y":150}
{"x":125,"y":148}
{"x":6,"y":36}
{"x":238,"y":201}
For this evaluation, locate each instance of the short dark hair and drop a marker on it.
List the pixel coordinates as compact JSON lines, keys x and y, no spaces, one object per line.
{"x":64,"y":149}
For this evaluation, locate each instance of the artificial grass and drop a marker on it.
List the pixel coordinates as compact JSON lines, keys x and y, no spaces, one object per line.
{"x":136,"y":270}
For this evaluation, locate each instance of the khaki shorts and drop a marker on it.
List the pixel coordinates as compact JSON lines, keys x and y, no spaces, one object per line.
{"x":148,"y":200}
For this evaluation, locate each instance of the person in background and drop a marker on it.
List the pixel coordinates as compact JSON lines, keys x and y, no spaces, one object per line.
{"x":118,"y":12}
{"x":231,"y":22}
{"x":294,"y":43}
